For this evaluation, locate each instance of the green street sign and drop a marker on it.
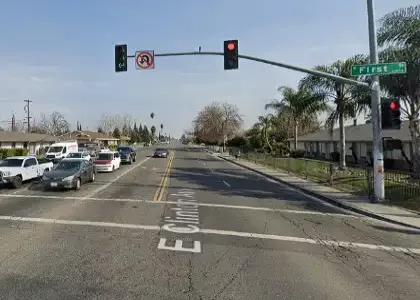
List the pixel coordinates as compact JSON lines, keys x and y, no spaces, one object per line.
{"x":379,"y":69}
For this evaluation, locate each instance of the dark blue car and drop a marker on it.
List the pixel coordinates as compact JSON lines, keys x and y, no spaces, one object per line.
{"x":127,"y":154}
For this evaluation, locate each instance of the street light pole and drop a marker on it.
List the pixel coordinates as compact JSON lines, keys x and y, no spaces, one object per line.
{"x":378,"y":156}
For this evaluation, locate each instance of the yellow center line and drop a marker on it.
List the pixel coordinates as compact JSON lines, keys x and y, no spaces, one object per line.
{"x":165,"y":182}
{"x":160,"y":187}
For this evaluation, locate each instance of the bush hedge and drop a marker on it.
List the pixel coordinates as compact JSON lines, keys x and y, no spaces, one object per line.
{"x":5,"y":152}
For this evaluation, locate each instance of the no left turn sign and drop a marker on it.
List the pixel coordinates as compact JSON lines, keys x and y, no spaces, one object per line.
{"x":145,"y":60}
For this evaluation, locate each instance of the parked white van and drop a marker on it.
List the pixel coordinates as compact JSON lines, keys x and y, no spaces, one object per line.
{"x":59,"y":151}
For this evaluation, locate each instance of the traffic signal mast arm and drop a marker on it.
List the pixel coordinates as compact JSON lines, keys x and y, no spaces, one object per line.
{"x":269,"y":62}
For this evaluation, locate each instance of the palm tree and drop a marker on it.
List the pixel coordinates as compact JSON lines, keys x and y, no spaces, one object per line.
{"x":400,"y":32}
{"x":300,"y":105}
{"x":152,"y":132}
{"x":349,"y":101}
{"x":265,"y":124}
{"x":401,"y":27}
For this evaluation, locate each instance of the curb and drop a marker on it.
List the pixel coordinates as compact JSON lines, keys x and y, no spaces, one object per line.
{"x":327,"y":199}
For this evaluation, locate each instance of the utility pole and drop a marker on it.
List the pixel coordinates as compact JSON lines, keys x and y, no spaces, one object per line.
{"x":378,"y":156}
{"x":13,"y":122}
{"x":28,"y":114}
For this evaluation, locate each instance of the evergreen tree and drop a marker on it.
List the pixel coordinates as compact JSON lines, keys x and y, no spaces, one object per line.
{"x":116,"y":133}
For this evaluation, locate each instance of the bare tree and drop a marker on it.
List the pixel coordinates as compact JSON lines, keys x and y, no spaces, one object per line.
{"x":109,"y":122}
{"x":36,"y":126}
{"x":54,"y":124}
{"x":217,"y":122}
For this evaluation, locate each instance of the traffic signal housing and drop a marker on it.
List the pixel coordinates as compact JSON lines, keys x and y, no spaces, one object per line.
{"x":391,"y":113}
{"x":230,"y":51}
{"x":120,"y":58}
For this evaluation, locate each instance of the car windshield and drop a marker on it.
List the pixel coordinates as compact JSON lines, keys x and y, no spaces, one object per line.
{"x":68,"y":165}
{"x":124,"y":149}
{"x":55,"y":149}
{"x":92,"y":149}
{"x":11,"y":162}
{"x":160,"y":150}
{"x":105,"y":156}
{"x":75,"y":155}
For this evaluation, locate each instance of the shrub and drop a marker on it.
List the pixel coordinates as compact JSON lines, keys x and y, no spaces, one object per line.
{"x":21,"y":152}
{"x":335,"y":156}
{"x":6,"y":152}
{"x":297,"y":153}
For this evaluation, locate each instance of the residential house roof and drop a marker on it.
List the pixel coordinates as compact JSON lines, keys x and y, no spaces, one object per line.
{"x":87,"y":134}
{"x":23,"y":137}
{"x":357,"y":133}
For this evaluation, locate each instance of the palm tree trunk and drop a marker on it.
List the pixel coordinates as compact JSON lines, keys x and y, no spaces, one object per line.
{"x":267,"y":140}
{"x":296,"y":134}
{"x":342,"y":140}
{"x":415,"y":142}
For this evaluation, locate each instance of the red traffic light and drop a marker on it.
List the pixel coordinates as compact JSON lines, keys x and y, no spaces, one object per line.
{"x":393,"y":105}
{"x":231,"y":46}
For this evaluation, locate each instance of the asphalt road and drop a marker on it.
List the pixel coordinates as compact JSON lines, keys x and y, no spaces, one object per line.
{"x":196,"y":227}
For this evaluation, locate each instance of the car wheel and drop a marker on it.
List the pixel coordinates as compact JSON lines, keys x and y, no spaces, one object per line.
{"x":17,"y":182}
{"x":78,"y":184}
{"x":93,"y":178}
{"x":130,"y":162}
{"x":113,"y":168}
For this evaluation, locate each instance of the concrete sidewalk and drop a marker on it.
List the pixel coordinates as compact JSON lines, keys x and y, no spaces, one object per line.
{"x":358,"y":204}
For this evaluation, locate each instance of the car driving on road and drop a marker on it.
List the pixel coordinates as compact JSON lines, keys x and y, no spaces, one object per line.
{"x":161,"y":152}
{"x":127,"y":154}
{"x":70,"y":173}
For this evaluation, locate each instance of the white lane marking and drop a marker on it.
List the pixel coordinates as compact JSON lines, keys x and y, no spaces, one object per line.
{"x":227,"y":184}
{"x":311,"y":241}
{"x":101,"y":188}
{"x":80,"y":223}
{"x":203,"y":204}
{"x":219,"y":232}
{"x":285,"y":186}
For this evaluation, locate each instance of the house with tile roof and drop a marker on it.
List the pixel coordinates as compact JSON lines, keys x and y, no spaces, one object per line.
{"x":321,"y":144}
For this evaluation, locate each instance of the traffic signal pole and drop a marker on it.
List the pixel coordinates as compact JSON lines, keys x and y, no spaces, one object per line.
{"x":377,"y":148}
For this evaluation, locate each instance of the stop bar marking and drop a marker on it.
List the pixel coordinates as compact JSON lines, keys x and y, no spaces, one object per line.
{"x":217,"y":232}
